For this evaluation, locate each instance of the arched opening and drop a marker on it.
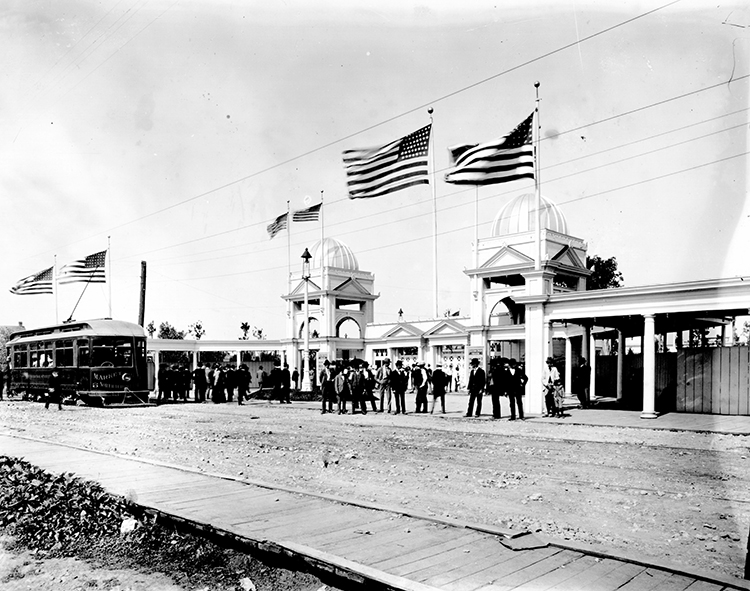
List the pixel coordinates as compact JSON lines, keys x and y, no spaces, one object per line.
{"x":314,"y":329}
{"x":348,"y":328}
{"x":507,"y":313}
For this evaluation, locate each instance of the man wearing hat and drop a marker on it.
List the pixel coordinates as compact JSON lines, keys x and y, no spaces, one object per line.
{"x":421,"y":385}
{"x":551,"y":381}
{"x":439,"y":383}
{"x":516,"y":386}
{"x":383,"y":381}
{"x":326,"y":388}
{"x":476,"y":385}
{"x":399,"y":384}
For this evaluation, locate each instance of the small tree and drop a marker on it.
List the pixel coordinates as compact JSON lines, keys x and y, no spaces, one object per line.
{"x":258,"y":333}
{"x":167,"y":331}
{"x":245,"y":328}
{"x":151,"y":329}
{"x":5,"y":332}
{"x":604,"y":273}
{"x":196,"y":329}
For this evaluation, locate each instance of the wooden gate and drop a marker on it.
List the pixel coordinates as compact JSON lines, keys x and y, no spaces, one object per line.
{"x":714,"y":380}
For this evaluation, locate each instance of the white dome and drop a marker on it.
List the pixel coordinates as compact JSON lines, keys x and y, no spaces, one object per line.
{"x":518,"y":216}
{"x":334,"y":254}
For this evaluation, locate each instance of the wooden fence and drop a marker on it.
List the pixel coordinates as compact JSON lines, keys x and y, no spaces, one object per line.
{"x":711,"y":380}
{"x":714,"y":380}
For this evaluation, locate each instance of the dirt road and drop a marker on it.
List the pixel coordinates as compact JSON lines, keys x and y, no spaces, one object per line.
{"x":681,"y":497}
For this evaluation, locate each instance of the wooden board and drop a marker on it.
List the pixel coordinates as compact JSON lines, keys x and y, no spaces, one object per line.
{"x":535,"y":570}
{"x":597,"y":570}
{"x":564,"y":577}
{"x":675,"y":583}
{"x":614,"y":579}
{"x":469,"y":573}
{"x":743,"y":381}
{"x":455,"y":539}
{"x":646,"y":580}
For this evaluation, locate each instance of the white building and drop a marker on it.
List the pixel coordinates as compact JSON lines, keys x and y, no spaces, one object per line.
{"x":528,"y":301}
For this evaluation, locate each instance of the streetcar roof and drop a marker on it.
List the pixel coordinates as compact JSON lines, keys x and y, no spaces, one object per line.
{"x":102,"y":327}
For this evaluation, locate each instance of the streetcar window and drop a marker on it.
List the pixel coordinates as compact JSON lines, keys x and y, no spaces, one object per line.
{"x":110,"y":351}
{"x":20,"y":356}
{"x":45,"y":355}
{"x":64,"y":353}
{"x":102,"y":352}
{"x":34,"y":355}
{"x":124,"y":353}
{"x":84,"y":356}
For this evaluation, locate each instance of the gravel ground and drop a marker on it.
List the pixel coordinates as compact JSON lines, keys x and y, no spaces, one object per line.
{"x":675,"y":496}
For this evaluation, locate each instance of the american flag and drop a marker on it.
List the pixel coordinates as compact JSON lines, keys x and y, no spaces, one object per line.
{"x":38,"y":283}
{"x":88,"y":270}
{"x":311,"y":214}
{"x":505,"y":159}
{"x":372,"y":172}
{"x":277,"y":225}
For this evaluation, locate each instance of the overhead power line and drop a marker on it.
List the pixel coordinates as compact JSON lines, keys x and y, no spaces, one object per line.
{"x":380,"y":123}
{"x":382,"y":246}
{"x":452,"y":194}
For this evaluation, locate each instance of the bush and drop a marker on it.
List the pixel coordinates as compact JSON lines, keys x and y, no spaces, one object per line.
{"x":66,"y":516}
{"x":54,"y":513}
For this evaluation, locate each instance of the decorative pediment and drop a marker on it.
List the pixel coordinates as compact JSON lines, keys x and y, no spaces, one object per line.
{"x":351,"y":287}
{"x":403,"y":329}
{"x":300,"y":288}
{"x":507,"y":256}
{"x":446,"y":327}
{"x":567,"y":256}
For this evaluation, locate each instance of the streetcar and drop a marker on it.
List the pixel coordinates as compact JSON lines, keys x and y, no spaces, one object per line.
{"x":98,"y":362}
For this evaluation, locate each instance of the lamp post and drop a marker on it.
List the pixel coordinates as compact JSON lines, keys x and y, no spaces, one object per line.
{"x":306,"y":385}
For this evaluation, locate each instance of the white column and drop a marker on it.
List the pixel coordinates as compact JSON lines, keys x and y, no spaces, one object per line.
{"x":568,"y":365}
{"x":536,"y":333}
{"x":649,"y":368}
{"x":585,"y":348}
{"x":547,"y":340}
{"x":620,"y":363}
{"x":239,"y":358}
{"x":306,"y":384}
{"x":194,"y":363}
{"x":592,"y":364}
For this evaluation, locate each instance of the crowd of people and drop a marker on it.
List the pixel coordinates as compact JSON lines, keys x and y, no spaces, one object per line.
{"x":353,"y":386}
{"x":383,"y":390}
{"x":219,"y":383}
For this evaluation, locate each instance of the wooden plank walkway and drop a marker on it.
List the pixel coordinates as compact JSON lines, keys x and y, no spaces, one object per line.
{"x":381,"y":547}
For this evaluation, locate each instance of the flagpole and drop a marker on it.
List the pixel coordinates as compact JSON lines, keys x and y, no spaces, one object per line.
{"x":288,"y":248}
{"x":430,"y":110}
{"x":108,"y":275}
{"x":54,"y":290}
{"x":537,"y":186}
{"x":476,"y":226}
{"x":322,"y":232}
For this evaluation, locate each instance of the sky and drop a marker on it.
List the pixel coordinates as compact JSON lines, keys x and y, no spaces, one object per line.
{"x":176,"y":131}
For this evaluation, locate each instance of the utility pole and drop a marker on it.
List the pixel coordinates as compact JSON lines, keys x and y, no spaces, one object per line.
{"x":142,"y":306}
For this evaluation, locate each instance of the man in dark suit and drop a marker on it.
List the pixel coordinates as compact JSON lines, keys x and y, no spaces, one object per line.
{"x":476,"y":386}
{"x":286,"y":385}
{"x":399,"y":384}
{"x":499,"y":386}
{"x":516,"y":387}
{"x":199,"y":379}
